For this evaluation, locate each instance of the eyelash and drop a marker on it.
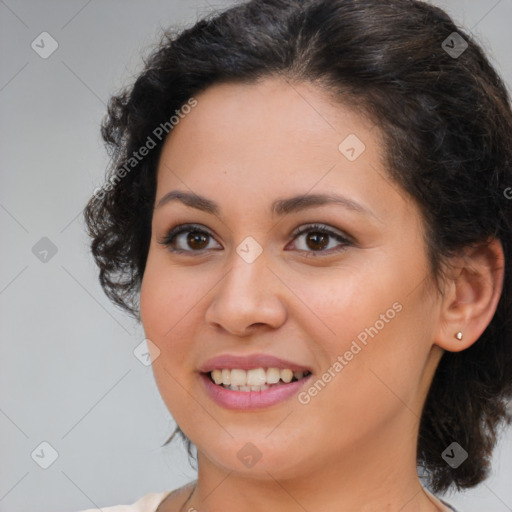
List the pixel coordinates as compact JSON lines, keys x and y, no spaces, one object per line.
{"x":316,"y":228}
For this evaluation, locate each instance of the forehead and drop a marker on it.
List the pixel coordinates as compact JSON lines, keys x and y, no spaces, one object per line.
{"x":268,"y":111}
{"x":253,"y":142}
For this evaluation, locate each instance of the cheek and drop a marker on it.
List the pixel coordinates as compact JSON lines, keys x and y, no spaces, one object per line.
{"x":164,"y":297}
{"x":163,"y":311}
{"x":342,"y":306}
{"x":380,"y":327}
{"x":391,"y":350}
{"x":372,"y":381}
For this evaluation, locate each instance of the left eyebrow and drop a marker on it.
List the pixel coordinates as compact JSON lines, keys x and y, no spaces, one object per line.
{"x":302,"y":202}
{"x":279,"y":207}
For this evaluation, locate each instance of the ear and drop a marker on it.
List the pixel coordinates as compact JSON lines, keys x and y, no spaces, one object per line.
{"x":472,"y":293}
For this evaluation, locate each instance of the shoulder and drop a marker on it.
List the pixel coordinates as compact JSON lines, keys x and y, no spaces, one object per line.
{"x":175,"y":500}
{"x":148,"y":503}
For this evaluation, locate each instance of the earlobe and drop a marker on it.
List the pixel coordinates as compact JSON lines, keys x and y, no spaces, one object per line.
{"x":472,"y":295}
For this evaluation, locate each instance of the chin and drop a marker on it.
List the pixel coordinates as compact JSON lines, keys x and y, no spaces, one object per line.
{"x":254,"y":456}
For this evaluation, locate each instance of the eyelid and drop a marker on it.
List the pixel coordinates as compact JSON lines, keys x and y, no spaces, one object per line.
{"x":321,"y":228}
{"x":183,"y":228}
{"x":340,"y":236}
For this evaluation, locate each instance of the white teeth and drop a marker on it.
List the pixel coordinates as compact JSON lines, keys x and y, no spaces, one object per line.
{"x":248,"y":388}
{"x":259,"y":388}
{"x":286,"y":376}
{"x":226,"y":377}
{"x":238,"y":377}
{"x":256,"y":379}
{"x":217,"y":376}
{"x":273,"y":375}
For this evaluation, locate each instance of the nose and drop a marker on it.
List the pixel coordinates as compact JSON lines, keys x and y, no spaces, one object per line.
{"x":249,"y":297}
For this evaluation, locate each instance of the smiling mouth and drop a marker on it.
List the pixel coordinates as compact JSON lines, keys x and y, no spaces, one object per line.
{"x":256,"y":379}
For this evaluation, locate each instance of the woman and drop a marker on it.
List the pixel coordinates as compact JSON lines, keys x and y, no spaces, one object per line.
{"x":307,"y":210}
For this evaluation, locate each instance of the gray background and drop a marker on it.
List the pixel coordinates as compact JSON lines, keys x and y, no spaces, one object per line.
{"x":68,"y":374}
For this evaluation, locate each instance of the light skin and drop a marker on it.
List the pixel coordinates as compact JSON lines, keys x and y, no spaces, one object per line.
{"x":353,"y":446}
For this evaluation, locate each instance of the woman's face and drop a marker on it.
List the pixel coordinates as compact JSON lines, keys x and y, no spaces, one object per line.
{"x":353,"y":307}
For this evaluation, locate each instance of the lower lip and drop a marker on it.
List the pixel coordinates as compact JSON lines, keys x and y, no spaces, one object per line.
{"x":243,"y":400}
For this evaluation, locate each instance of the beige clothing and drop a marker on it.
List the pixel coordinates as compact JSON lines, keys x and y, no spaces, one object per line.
{"x":147,"y":503}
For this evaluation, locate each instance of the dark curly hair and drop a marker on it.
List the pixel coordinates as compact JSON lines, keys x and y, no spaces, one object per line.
{"x":446,"y":121}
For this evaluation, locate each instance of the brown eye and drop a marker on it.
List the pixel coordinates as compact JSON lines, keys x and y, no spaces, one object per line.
{"x":186,"y":238}
{"x":318,"y":238}
{"x":196,"y":239}
{"x":317,"y":241}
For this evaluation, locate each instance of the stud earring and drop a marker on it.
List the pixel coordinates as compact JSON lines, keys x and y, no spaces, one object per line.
{"x":459,"y":335}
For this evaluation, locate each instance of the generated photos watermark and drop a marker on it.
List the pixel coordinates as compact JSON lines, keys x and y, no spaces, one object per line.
{"x":304,"y":397}
{"x":157,"y":135}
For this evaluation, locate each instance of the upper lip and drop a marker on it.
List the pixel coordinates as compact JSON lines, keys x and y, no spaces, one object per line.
{"x":230,"y":361}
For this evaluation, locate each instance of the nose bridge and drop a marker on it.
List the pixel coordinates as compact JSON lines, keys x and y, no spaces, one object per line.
{"x":248,"y":272}
{"x":246,"y":261}
{"x":247,"y":295}
{"x":248,"y":267}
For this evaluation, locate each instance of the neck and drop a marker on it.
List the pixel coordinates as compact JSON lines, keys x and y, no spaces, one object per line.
{"x":374,"y":475}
